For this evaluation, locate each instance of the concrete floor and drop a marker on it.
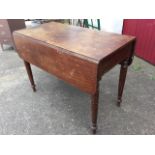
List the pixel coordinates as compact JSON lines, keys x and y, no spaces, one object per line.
{"x":59,"y":108}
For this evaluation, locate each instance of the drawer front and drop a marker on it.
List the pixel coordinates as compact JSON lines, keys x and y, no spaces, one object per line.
{"x":117,"y":57}
{"x":4,"y":25}
{"x":70,"y":68}
{"x":6,"y":40}
{"x":5,"y":35}
{"x":3,"y":22}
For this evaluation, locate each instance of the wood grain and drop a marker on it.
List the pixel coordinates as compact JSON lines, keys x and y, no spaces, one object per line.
{"x":78,"y":72}
{"x":76,"y":55}
{"x":92,"y":44}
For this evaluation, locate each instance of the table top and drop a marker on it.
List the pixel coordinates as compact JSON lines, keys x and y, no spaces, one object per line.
{"x":91,"y":44}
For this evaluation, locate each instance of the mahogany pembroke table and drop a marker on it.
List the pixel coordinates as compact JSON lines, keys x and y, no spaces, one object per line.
{"x":77,"y":55}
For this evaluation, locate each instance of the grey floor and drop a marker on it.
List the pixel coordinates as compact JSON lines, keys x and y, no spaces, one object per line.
{"x":58,"y":108}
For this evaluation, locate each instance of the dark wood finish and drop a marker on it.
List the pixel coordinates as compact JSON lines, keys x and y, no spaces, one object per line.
{"x":30,"y":75}
{"x":122,"y":77}
{"x":94,"y":109}
{"x":79,"y":56}
{"x":7,"y":26}
{"x":76,"y":71}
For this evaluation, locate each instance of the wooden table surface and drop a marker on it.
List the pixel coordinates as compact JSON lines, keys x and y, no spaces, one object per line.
{"x":79,"y":56}
{"x":94,"y":45}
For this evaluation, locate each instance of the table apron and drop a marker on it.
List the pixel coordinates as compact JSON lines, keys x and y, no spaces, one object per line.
{"x":117,"y":57}
{"x":74,"y":70}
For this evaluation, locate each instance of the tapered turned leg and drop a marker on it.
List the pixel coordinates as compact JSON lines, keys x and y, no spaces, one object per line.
{"x":122,"y":78}
{"x":94,"y":109}
{"x":30,"y":75}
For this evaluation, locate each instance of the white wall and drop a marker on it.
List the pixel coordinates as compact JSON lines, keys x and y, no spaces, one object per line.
{"x":112,"y":25}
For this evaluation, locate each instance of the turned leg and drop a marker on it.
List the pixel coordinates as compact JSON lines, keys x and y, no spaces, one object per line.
{"x":94,"y":109}
{"x":122,"y":78}
{"x":30,"y":75}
